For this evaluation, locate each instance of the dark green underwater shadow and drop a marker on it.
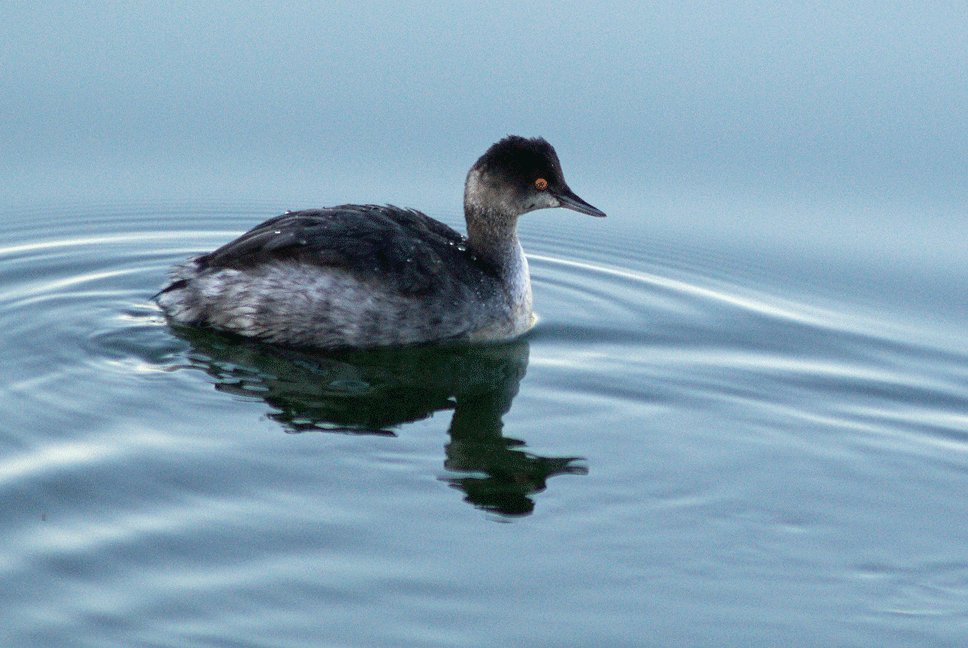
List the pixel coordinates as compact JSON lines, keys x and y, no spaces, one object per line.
{"x":375,"y":392}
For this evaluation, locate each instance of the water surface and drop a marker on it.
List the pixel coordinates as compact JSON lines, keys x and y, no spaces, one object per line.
{"x":698,"y":444}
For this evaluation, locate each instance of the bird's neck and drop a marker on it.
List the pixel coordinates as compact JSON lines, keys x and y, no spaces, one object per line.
{"x":492,"y":235}
{"x":492,"y":230}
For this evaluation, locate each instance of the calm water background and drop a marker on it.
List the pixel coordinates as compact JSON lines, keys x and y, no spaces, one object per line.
{"x":742,"y":419}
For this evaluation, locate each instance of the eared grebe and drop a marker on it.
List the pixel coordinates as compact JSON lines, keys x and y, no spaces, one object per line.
{"x":369,"y":276}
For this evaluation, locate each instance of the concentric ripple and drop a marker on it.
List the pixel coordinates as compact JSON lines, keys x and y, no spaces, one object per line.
{"x":668,"y":427}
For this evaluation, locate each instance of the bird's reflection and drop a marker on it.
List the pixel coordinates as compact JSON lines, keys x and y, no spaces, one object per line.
{"x":373,"y":392}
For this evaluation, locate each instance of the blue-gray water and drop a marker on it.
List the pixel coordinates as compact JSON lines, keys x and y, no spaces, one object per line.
{"x":742,"y":419}
{"x":686,"y":451}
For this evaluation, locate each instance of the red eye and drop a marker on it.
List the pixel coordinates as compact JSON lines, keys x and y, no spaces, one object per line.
{"x":541,"y":184}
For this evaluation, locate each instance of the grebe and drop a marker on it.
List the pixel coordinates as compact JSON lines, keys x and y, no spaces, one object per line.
{"x":364,"y":276}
